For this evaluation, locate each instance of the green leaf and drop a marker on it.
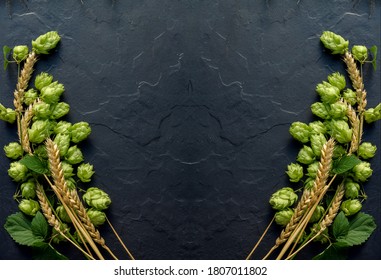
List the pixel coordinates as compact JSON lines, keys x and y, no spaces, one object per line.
{"x":47,"y":252}
{"x":35,"y":164}
{"x":340,"y":226}
{"x":39,"y":226}
{"x":373,"y":51}
{"x":19,"y":228}
{"x":345,"y":164}
{"x":6,"y":51}
{"x":332,"y":253}
{"x":360,"y":229}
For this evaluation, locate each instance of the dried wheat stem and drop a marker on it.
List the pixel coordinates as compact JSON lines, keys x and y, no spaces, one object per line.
{"x":120,"y":240}
{"x":309,"y":196}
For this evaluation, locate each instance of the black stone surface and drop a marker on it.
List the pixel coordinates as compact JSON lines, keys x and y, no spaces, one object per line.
{"x":190,"y":102}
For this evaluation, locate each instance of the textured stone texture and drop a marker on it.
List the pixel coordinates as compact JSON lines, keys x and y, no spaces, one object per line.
{"x":190,"y":102}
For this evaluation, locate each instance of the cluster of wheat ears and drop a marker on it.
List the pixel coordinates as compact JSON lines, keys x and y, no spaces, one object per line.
{"x":324,"y":181}
{"x":89,"y":235}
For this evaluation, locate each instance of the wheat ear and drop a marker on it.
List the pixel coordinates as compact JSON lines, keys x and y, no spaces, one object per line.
{"x":357,"y":81}
{"x":355,"y":124}
{"x":309,"y":196}
{"x":23,"y":80}
{"x":25,"y":122}
{"x":334,"y":208}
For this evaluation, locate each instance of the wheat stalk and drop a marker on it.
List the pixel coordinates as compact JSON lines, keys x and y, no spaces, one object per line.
{"x":71,"y":197}
{"x":61,"y":190}
{"x":309,"y":197}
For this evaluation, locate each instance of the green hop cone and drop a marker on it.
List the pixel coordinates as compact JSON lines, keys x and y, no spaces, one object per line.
{"x":80,"y":131}
{"x":367,"y":150}
{"x":351,"y":188}
{"x":13,"y":150}
{"x":337,"y":80}
{"x":74,"y":155}
{"x":46,"y":42}
{"x":20,"y":53}
{"x":30,"y":96}
{"x":323,"y":237}
{"x":52,"y":93}
{"x":62,"y":127}
{"x":84,"y":172}
{"x":350,"y":207}
{"x":317,"y":127}
{"x":39,"y":131}
{"x":18,"y":171}
{"x":41,"y":110}
{"x":338,"y":110}
{"x":340,"y":131}
{"x":300,"y":131}
{"x":7,"y":114}
{"x":306,"y":155}
{"x":96,"y":217}
{"x":283,"y":198}
{"x":96,"y":198}
{"x":56,"y":236}
{"x":43,"y":80}
{"x":309,"y":183}
{"x":63,"y":143}
{"x":318,"y":213}
{"x":67,"y":169}
{"x":339,"y":151}
{"x":41,"y":152}
{"x":328,"y":93}
{"x":71,"y":184}
{"x":360,"y":53}
{"x":350,"y":96}
{"x":62,"y":214}
{"x":29,"y":207}
{"x":317,"y":143}
{"x":294,"y":172}
{"x":373,"y":114}
{"x":283,"y":217}
{"x":312,"y":169}
{"x":60,"y":110}
{"x":334,"y":42}
{"x":319,"y":109}
{"x":362,"y":171}
{"x":28,"y":189}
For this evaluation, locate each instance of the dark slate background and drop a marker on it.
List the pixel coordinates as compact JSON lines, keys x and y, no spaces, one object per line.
{"x":190,"y":102}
